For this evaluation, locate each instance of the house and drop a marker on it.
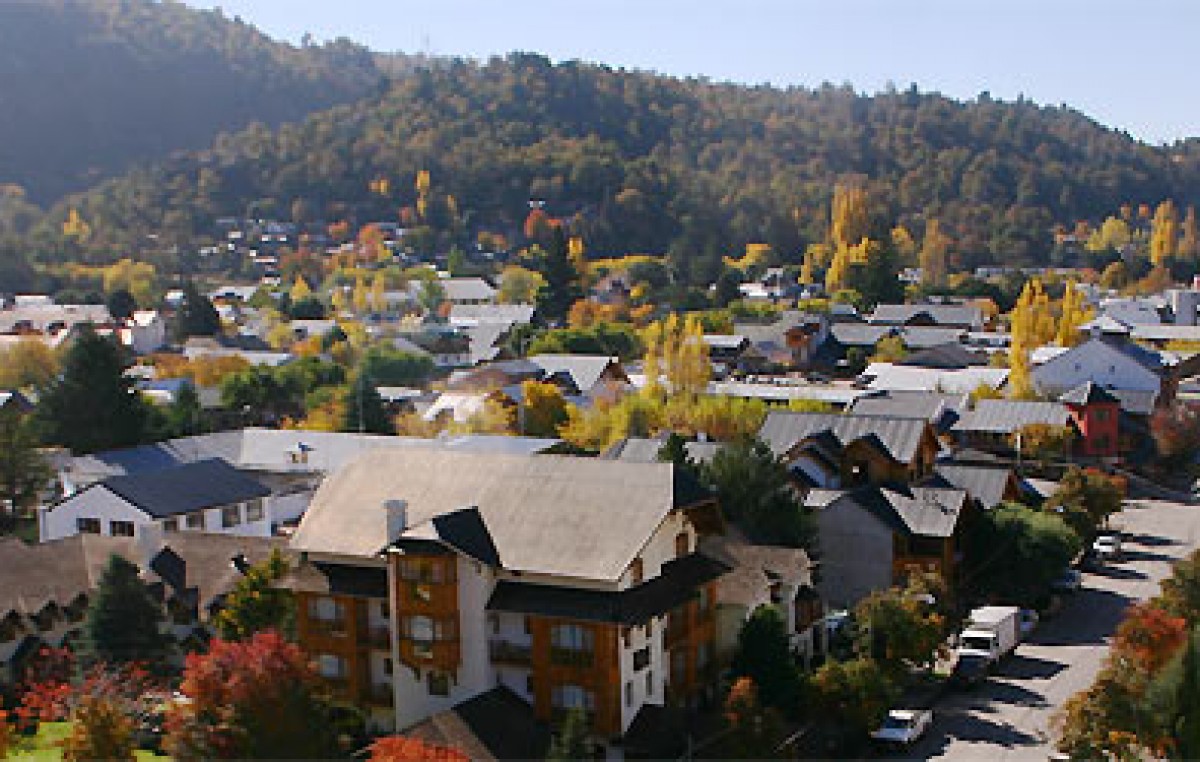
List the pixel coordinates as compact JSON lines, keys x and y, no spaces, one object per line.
{"x":1096,"y":414}
{"x":916,"y":338}
{"x":951,"y":356}
{"x":449,"y":347}
{"x":847,"y":339}
{"x":250,"y":348}
{"x":876,"y":536}
{"x":47,"y":586}
{"x":829,"y":450}
{"x":966,"y":316}
{"x":726,"y":352}
{"x":992,"y":424}
{"x":940,"y":409}
{"x":1109,"y":359}
{"x":789,"y":342}
{"x":144,"y":332}
{"x":575,"y":583}
{"x":34,"y":315}
{"x":989,"y":484}
{"x":208,"y":495}
{"x":593,"y":377}
{"x":886,"y":376}
{"x":12,"y":400}
{"x":464,"y":290}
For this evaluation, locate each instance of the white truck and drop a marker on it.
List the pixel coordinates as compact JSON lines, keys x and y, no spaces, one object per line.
{"x":990,"y":634}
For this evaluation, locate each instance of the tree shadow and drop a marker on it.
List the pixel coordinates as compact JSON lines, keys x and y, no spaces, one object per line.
{"x":1021,"y":666}
{"x":971,"y":729}
{"x":1118,"y":572}
{"x":1088,"y":618}
{"x":1148,"y":540}
{"x":1143,"y":555}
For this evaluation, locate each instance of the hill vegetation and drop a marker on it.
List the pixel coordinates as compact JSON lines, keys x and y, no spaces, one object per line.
{"x":88,"y":87}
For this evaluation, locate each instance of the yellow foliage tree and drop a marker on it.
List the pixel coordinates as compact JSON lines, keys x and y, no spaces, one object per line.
{"x":300,"y":290}
{"x":28,"y":363}
{"x":933,"y":254}
{"x":361,"y":298}
{"x":379,"y":292}
{"x":1189,"y":238}
{"x":1164,"y":233}
{"x":76,"y":227}
{"x":543,"y":409}
{"x":138,"y":278}
{"x":519,"y":285}
{"x":1073,"y":313}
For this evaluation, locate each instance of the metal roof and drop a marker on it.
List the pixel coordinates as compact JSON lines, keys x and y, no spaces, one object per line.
{"x":185,"y":488}
{"x":900,"y":437}
{"x":1008,"y":416}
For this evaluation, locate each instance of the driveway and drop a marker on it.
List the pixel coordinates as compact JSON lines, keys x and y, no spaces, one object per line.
{"x":1009,"y":717}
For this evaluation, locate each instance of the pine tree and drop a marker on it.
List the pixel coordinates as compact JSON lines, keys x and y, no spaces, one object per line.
{"x":563,"y":281}
{"x":92,"y":405}
{"x":365,"y":411}
{"x":24,"y":473}
{"x":197,"y":316}
{"x":122,"y":622}
{"x":1187,"y":726}
{"x":764,"y":656}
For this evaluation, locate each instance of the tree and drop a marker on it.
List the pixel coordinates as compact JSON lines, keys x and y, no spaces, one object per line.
{"x":259,"y":698}
{"x":389,"y":367}
{"x":430,"y":296}
{"x":727,"y":288}
{"x":755,"y":732}
{"x":300,"y":290}
{"x":564,"y":285}
{"x":519,"y":285}
{"x":256,"y":604}
{"x":1181,"y":591}
{"x":196,"y":316}
{"x":1044,"y":442}
{"x":122,"y":622}
{"x":1115,"y":275}
{"x":28,"y":364}
{"x":121,"y":304}
{"x":1164,"y":233}
{"x":890,"y":349}
{"x":933,"y":254}
{"x":543,"y":409}
{"x":898,"y":629}
{"x":754,"y":490}
{"x":677,"y":348}
{"x":1085,"y":498}
{"x":92,"y":405}
{"x":853,"y":695}
{"x":1014,"y":553}
{"x":24,"y":472}
{"x":404,"y":749}
{"x":763,"y":655}
{"x":99,"y":730}
{"x":1189,"y":238}
{"x":570,"y":743}
{"x":1176,"y":433}
{"x":365,"y":412}
{"x":878,"y":276}
{"x":184,"y":416}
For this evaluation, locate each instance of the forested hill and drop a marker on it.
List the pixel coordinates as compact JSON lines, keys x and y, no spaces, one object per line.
{"x":646,"y":163}
{"x":87,"y":87}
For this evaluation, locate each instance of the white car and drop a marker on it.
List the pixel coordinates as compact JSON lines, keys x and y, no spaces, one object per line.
{"x":902,"y":727}
{"x":1107,"y":547}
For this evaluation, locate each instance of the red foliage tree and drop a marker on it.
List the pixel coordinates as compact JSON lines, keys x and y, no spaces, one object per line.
{"x":1150,"y":636}
{"x":1176,"y":433}
{"x":255,"y":698}
{"x":405,"y":749}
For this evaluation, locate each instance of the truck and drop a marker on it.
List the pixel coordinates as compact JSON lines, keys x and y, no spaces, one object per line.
{"x":990,"y":634}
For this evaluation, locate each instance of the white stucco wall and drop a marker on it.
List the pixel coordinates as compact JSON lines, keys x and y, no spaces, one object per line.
{"x":59,"y":521}
{"x":650,"y":636}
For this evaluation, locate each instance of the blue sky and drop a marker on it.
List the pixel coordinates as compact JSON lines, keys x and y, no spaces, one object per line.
{"x":1130,"y":65}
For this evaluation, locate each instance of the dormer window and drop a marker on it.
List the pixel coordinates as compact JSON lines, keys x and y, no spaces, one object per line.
{"x":636,"y":572}
{"x":682,"y":544}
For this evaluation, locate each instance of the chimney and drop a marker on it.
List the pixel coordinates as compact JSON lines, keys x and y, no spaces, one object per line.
{"x":397,"y":518}
{"x":148,"y":540}
{"x":240,"y":563}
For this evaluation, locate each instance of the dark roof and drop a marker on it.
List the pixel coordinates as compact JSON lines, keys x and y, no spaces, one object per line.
{"x":1135,"y":401}
{"x":675,"y":585}
{"x":495,"y":725}
{"x":657,"y":732}
{"x":1089,"y":393}
{"x":944,"y":357}
{"x":919,"y":511}
{"x":465,"y":531}
{"x":938,"y":314}
{"x":859,"y":334}
{"x":940,"y":409}
{"x":185,"y":488}
{"x":360,"y":581}
{"x":1009,"y":416}
{"x":924,"y":337}
{"x":899,"y":437}
{"x":987,"y":484}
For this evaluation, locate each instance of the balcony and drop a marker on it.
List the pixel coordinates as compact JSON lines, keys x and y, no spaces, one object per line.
{"x":381,"y":694}
{"x":329,"y":628}
{"x":570,"y":657}
{"x":381,"y":637}
{"x":503,"y":652}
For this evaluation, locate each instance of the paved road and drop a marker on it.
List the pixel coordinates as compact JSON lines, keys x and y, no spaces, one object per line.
{"x":1010,"y":716}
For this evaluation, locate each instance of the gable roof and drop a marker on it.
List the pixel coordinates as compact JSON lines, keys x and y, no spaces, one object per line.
{"x":944,"y":357}
{"x":464,"y":289}
{"x":185,"y":488}
{"x":940,"y":409}
{"x":584,"y":370}
{"x":495,"y":725}
{"x":1088,"y":393}
{"x":924,"y":337}
{"x":859,"y":334}
{"x":893,"y":376}
{"x":987,"y":484}
{"x":918,"y":511}
{"x":900,"y":437}
{"x":940,"y":314}
{"x":1008,"y":416}
{"x":574,"y":517}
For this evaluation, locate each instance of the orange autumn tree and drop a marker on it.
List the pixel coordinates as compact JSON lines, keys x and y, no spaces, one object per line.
{"x":406,"y":749}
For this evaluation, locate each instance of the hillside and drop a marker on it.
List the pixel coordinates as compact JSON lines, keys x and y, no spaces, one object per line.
{"x":88,"y":87}
{"x":642,"y":162}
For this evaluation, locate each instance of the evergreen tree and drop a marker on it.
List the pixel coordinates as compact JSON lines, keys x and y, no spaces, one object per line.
{"x":570,"y":743}
{"x":24,"y":473}
{"x":879,"y":282}
{"x":197,"y":316}
{"x":184,"y":416}
{"x":1187,"y":725}
{"x":763,"y":655}
{"x":754,"y":490}
{"x":92,"y":405}
{"x":563,"y":287}
{"x":121,"y":304}
{"x":122,"y":619}
{"x":364,"y":409}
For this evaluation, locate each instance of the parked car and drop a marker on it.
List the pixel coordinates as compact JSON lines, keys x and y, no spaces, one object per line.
{"x":1029,"y":622}
{"x":902,"y":727}
{"x":1070,"y":581}
{"x":1107,"y":547}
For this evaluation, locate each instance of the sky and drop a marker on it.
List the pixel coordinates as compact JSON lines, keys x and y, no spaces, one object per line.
{"x":1129,"y":65}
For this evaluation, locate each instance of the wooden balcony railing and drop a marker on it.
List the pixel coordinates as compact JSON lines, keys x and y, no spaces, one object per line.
{"x":504,"y":652}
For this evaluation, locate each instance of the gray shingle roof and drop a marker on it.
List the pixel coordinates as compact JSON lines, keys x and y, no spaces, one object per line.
{"x":585,"y":370}
{"x":931,"y":406}
{"x":941,"y":314}
{"x":900,"y":437}
{"x":859,"y":334}
{"x":1008,"y":416}
{"x":575,"y":517}
{"x":923,"y":337}
{"x":944,"y":356}
{"x":987,"y":484}
{"x":920,"y":511}
{"x":185,"y":488}
{"x":1088,"y":393}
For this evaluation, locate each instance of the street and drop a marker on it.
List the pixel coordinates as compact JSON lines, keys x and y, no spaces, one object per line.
{"x":1009,"y":717}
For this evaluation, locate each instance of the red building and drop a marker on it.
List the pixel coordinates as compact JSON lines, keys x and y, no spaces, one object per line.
{"x":1096,"y":414}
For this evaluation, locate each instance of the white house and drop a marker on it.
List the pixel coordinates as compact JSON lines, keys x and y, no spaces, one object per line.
{"x":208,"y":495}
{"x":144,"y":332}
{"x":1113,"y":363}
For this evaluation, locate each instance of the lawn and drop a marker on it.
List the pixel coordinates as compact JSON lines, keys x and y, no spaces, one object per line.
{"x":44,"y":747}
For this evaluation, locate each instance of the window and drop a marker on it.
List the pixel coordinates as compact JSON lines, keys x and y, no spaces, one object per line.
{"x":231,"y":516}
{"x":120,"y":528}
{"x":439,"y":683}
{"x":636,"y":572}
{"x":171,"y":525}
{"x":571,"y":637}
{"x":326,"y":609}
{"x":195,"y":520}
{"x":572,"y":697}
{"x":387,"y":666}
{"x":495,"y":621}
{"x":650,"y":683}
{"x":529,"y":684}
{"x":704,"y":599}
{"x":682,"y":544}
{"x":420,"y":628}
{"x":87,"y":526}
{"x":703,"y":655}
{"x":331,"y":667}
{"x":629,"y":693}
{"x":254,"y":510}
{"x":641,"y":659}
